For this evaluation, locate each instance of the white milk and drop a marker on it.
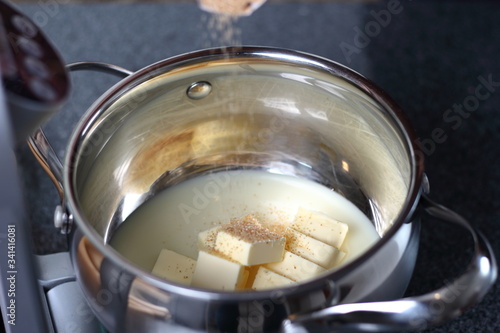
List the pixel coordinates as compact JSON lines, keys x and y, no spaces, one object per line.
{"x":174,"y":217}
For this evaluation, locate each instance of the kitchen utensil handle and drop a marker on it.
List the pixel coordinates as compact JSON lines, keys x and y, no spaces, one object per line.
{"x":38,"y":142}
{"x":412,"y":313}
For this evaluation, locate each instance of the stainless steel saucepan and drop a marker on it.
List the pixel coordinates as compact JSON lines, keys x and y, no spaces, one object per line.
{"x":275,"y":110}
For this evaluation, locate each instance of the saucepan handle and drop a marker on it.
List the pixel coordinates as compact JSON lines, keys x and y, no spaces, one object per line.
{"x":43,"y":150}
{"x":412,"y":313}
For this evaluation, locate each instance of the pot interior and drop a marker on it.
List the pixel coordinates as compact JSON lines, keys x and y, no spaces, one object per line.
{"x":279,"y":112}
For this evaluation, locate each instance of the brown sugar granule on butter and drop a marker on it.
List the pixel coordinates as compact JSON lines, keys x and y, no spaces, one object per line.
{"x":279,"y":229}
{"x":249,"y":229}
{"x":247,"y":242}
{"x":211,"y":238}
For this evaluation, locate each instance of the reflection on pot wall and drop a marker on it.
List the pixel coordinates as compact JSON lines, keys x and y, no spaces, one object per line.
{"x":247,"y":116}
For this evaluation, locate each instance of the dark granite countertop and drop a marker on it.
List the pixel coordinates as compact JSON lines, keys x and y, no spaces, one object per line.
{"x":429,"y":56}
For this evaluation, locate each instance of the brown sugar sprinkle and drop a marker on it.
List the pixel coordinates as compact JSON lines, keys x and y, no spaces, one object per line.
{"x":211,"y":238}
{"x":249,"y":229}
{"x":231,"y":7}
{"x":292,"y":242}
{"x":279,"y":229}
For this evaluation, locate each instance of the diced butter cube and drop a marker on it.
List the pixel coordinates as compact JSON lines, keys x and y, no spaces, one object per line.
{"x":217,"y":273}
{"x":295,"y":267}
{"x":247,"y":242}
{"x":320,"y":227}
{"x":250,"y":252}
{"x":312,"y":249}
{"x":175,"y":267}
{"x":206,"y":239}
{"x":266,"y":279}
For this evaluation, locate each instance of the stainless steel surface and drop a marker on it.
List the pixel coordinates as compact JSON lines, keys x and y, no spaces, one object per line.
{"x":45,"y":155}
{"x":276,"y":110}
{"x":63,"y":219}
